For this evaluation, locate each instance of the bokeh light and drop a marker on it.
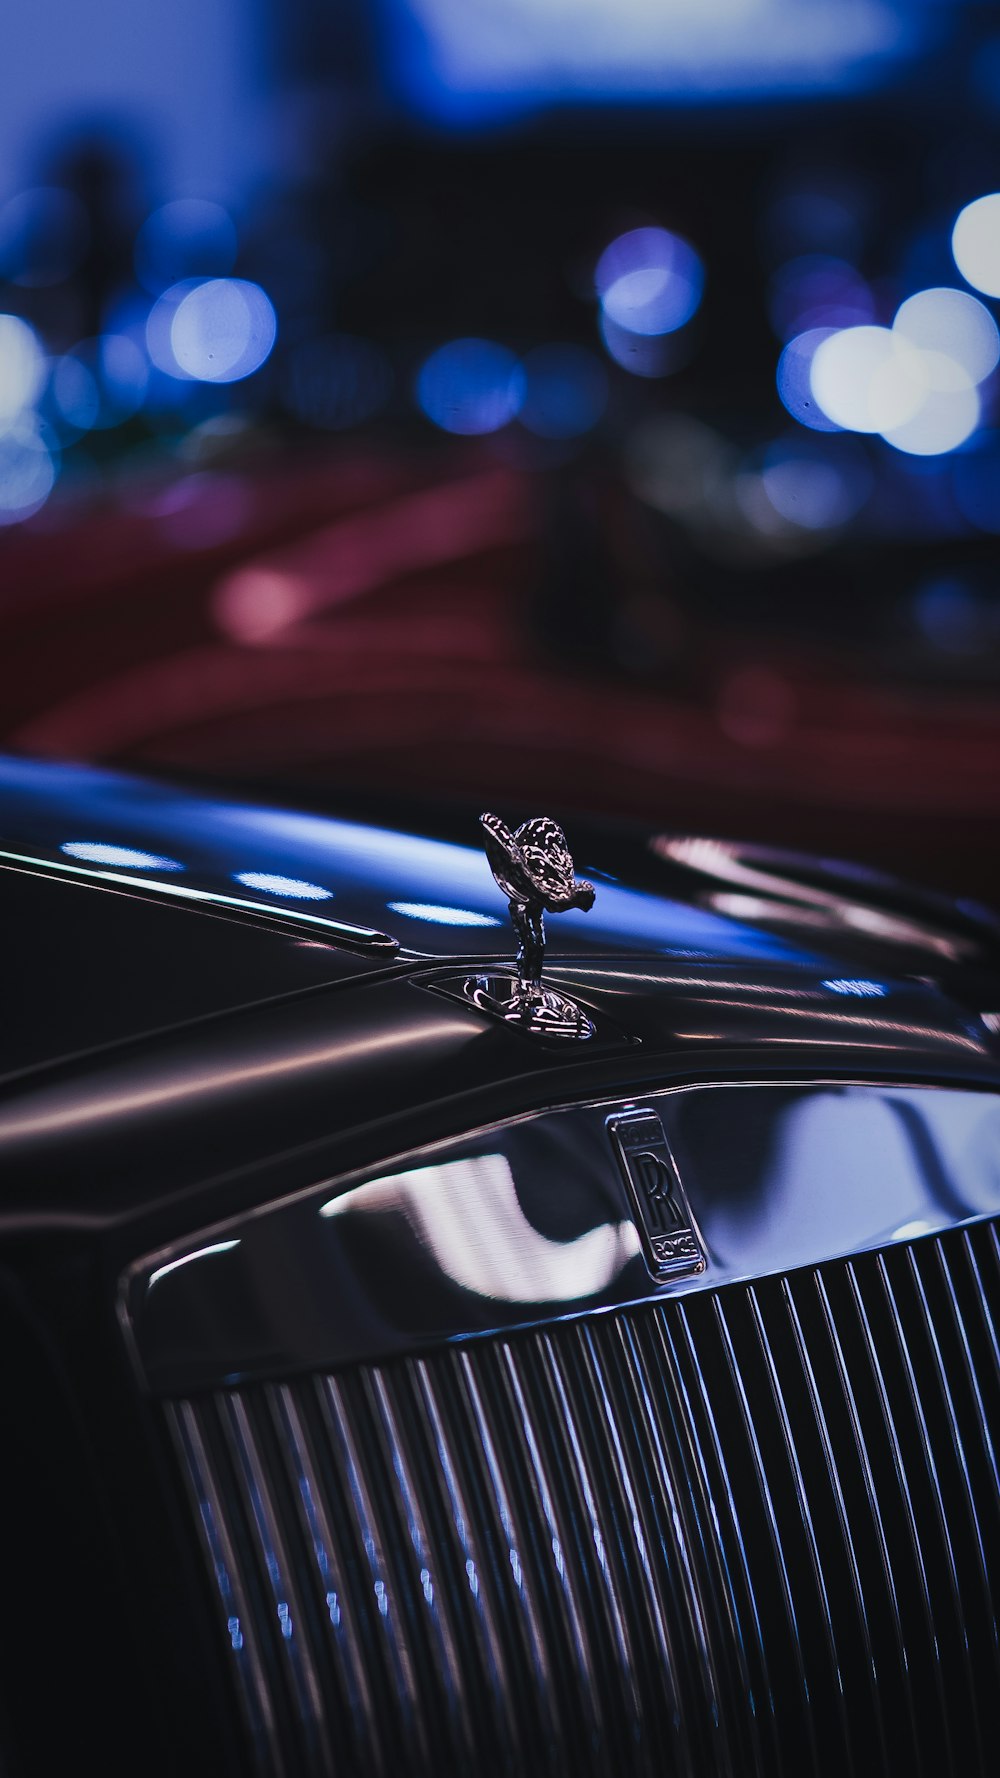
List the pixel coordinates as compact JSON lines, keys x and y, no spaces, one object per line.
{"x":99,"y":384}
{"x":679,"y":465}
{"x":186,"y":238}
{"x":975,"y":243}
{"x":74,"y":395}
{"x":812,"y":488}
{"x":976,"y":474}
{"x":868,"y":379}
{"x":336,"y":381}
{"x":22,"y":366}
{"x":566,"y":391}
{"x":649,"y":281}
{"x":955,"y":324}
{"x":471,"y":387}
{"x":27,"y":470}
{"x":818,"y":290}
{"x":949,"y":615}
{"x":159,"y":322}
{"x":794,"y":380}
{"x":947,"y":415}
{"x":642,"y":354}
{"x":222,"y":330}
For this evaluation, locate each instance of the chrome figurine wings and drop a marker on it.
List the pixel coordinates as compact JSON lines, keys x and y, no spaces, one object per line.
{"x":534,"y":869}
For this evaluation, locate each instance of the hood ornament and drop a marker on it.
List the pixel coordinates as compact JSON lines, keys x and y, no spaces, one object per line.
{"x":534,"y":869}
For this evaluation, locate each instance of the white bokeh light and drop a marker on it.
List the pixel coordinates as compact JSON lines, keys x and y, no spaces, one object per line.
{"x":868,"y":379}
{"x":222,"y":330}
{"x":22,"y":366}
{"x":947,"y":415}
{"x":975,"y":243}
{"x":953,"y":323}
{"x":27,"y":470}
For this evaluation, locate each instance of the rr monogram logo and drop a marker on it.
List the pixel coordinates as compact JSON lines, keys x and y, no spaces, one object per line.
{"x":666,"y":1229}
{"x":656,"y":1181}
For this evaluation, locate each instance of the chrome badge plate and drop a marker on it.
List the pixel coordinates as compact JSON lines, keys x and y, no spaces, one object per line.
{"x":670,"y":1244}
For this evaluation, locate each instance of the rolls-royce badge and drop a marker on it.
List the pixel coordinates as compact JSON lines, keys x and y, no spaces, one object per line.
{"x":534,"y":869}
{"x":666,"y":1228}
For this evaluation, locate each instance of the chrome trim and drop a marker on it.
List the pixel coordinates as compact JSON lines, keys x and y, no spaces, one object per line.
{"x":662,"y":1215}
{"x":536,"y":1011}
{"x":725,"y":1533}
{"x":318,"y":926}
{"x":535,"y":871}
{"x":529,"y":1222}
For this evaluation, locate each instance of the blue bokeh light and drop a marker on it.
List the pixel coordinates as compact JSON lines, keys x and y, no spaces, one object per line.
{"x":101,"y":383}
{"x":649,"y":281}
{"x":976,"y":475}
{"x":949,"y":615}
{"x":471,"y":387}
{"x":566,"y":392}
{"x":642,"y":354}
{"x":74,"y":399}
{"x":817,"y":486}
{"x":794,"y":380}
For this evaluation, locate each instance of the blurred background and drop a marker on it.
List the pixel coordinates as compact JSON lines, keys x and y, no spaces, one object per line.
{"x":580,"y":406}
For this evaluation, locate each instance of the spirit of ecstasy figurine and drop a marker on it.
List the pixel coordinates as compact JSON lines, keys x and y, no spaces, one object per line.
{"x":535,"y":871}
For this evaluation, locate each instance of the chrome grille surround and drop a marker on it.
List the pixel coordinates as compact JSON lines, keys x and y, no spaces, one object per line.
{"x":750,"y":1530}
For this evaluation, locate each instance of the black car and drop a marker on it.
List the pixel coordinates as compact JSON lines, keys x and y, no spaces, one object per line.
{"x":421,"y":1362}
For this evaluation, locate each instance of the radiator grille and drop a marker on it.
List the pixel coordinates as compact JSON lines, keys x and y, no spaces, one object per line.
{"x":749,"y":1532}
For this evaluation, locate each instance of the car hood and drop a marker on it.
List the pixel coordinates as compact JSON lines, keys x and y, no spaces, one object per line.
{"x":133,"y":906}
{"x":405,"y":892}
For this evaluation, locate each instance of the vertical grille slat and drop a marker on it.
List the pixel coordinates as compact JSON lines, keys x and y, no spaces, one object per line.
{"x":937,"y":1525}
{"x":891,"y":1661}
{"x":841,"y":1533}
{"x":751,"y":1533}
{"x":773,"y":1583}
{"x":732,"y":1543}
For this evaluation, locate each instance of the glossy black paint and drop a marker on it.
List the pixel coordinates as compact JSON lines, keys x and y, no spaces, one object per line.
{"x":300,"y":1081}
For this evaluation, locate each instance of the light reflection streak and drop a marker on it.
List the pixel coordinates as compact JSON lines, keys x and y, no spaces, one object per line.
{"x":714,"y":859}
{"x":198,"y":1085}
{"x":186,"y":893}
{"x":185,"y":1260}
{"x":887,"y":1029}
{"x":467,"y":1214}
{"x":99,"y":852}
